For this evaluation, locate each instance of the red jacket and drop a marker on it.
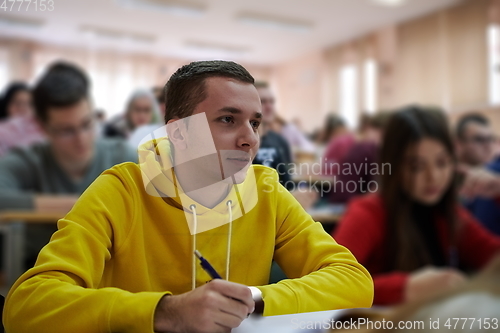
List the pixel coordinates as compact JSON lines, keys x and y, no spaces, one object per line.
{"x":362,"y":231}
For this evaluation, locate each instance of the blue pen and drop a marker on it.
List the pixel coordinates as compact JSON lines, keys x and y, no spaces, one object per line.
{"x":212,"y":272}
{"x":207,"y":267}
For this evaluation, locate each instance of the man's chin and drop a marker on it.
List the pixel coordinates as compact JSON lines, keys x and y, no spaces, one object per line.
{"x":237,"y":178}
{"x":82,"y":157}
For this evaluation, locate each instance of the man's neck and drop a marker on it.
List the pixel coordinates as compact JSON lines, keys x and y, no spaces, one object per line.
{"x":211,"y":195}
{"x":198,"y":187}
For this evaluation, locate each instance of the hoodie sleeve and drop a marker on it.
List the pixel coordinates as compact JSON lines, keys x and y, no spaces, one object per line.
{"x":62,"y":292}
{"x":323,"y":275}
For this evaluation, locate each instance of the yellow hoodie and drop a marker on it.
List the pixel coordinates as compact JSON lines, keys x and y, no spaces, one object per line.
{"x":123,"y":246}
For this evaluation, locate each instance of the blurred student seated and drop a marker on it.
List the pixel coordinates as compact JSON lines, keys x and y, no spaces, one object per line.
{"x":323,"y":135}
{"x":357,"y":166}
{"x":18,"y":127}
{"x":274,"y":150}
{"x":141,"y":109}
{"x":475,"y":140}
{"x":413,"y":236}
{"x":51,"y":175}
{"x":340,"y":140}
{"x":296,"y":139}
{"x":157,"y":105}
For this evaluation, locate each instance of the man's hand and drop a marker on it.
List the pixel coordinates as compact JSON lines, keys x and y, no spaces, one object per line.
{"x":215,"y":307}
{"x":430,"y":281}
{"x":479,"y":182}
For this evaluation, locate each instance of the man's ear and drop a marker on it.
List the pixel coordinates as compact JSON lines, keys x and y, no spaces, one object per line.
{"x":176,"y":133}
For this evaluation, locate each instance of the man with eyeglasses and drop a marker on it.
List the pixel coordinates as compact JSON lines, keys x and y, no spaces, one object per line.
{"x":50,"y":176}
{"x":475,"y":143}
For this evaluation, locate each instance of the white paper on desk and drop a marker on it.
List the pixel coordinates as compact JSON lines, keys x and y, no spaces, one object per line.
{"x":285,"y":323}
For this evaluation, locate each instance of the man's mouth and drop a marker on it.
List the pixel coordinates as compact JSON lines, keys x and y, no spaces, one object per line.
{"x":242,"y":159}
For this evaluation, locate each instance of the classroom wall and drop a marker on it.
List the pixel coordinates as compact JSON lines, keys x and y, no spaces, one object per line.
{"x":300,"y":87}
{"x":114,"y":74}
{"x":439,"y":59}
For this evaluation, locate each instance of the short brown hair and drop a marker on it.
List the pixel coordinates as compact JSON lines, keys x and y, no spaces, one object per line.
{"x":186,"y":87}
{"x":63,"y":84}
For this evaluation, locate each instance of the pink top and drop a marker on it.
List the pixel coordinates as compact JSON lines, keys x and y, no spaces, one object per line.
{"x":19,"y":132}
{"x":336,"y":150}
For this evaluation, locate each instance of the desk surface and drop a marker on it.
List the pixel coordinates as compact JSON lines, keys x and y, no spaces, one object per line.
{"x":286,"y":323}
{"x":30,"y":217}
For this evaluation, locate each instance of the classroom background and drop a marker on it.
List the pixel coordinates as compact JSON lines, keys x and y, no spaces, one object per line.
{"x":335,"y":71}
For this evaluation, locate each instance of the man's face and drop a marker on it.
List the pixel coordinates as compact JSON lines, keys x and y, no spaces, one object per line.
{"x":233,"y":112}
{"x":141,"y":112}
{"x":70,"y":131}
{"x":268,"y":108}
{"x":477,"y":144}
{"x":20,"y":106}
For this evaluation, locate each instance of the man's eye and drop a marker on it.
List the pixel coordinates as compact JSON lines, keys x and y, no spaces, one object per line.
{"x":226,"y":120}
{"x":255,"y":124}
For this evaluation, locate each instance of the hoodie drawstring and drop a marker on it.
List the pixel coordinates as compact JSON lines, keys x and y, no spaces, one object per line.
{"x":229,"y":236}
{"x":195,"y":230}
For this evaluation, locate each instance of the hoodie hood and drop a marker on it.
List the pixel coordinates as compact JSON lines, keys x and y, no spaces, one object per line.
{"x":158,"y":174}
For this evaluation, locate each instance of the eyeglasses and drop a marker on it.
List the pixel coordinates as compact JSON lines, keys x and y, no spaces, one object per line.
{"x":482,"y":139}
{"x":67,"y":133}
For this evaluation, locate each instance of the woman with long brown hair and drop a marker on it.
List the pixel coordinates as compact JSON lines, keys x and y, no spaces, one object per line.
{"x":412,"y":235}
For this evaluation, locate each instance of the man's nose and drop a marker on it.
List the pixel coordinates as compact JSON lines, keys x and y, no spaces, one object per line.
{"x":248,"y":137}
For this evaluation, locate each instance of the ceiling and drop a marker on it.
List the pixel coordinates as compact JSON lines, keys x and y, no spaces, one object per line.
{"x":227,"y":29}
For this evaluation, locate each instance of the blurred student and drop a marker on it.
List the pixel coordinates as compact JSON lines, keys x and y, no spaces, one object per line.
{"x":142,"y":109}
{"x":123,"y":259}
{"x":17,"y":125}
{"x":142,"y":131}
{"x":475,"y":142}
{"x":355,"y":176}
{"x":341,"y":140}
{"x":274,"y":150}
{"x":50,"y":176}
{"x":332,"y":126}
{"x":296,"y":139}
{"x":413,"y":236}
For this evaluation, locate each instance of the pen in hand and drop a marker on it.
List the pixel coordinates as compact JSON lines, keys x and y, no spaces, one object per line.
{"x":211,"y":271}
{"x":207,"y":267}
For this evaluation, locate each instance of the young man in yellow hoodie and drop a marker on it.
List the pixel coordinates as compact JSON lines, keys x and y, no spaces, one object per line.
{"x":122,"y":259}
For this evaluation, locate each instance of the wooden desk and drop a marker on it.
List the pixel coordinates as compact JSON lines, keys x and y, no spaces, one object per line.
{"x":30,"y":217}
{"x":13,"y":224}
